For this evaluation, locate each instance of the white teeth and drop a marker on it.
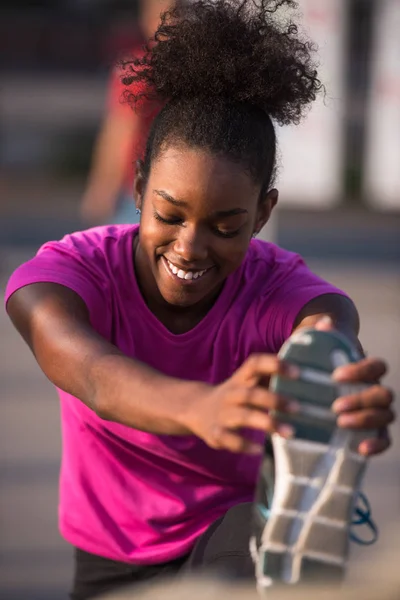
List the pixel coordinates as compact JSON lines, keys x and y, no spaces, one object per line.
{"x":185,"y":274}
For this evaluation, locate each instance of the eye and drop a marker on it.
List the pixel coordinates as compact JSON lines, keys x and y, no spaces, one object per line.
{"x":172,"y":221}
{"x":227,"y":234}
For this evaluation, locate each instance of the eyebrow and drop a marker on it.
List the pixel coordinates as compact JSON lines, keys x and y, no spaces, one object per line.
{"x":170,"y":198}
{"x":220,"y":213}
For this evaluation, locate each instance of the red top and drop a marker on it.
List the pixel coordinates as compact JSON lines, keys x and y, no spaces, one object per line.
{"x":143,"y":116}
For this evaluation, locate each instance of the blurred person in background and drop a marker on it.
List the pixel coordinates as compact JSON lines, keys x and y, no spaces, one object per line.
{"x":160,"y":337}
{"x":109,"y":193}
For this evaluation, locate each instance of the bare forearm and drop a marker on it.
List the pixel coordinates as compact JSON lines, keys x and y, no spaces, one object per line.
{"x":118,"y":388}
{"x":131,"y":393}
{"x":54,"y":322}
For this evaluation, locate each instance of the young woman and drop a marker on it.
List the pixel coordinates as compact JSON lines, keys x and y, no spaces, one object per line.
{"x":161,"y":337}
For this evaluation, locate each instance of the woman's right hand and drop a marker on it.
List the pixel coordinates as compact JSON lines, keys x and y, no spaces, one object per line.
{"x":243,"y":401}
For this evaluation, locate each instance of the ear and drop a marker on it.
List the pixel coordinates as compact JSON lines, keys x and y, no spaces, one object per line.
{"x":139,"y":185}
{"x":266,"y":205}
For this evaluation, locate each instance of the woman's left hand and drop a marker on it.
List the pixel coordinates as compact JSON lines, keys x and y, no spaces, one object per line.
{"x":369,"y":405}
{"x":368,"y":408}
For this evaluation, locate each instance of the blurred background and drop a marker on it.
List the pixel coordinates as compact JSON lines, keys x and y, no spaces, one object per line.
{"x":339,"y":179}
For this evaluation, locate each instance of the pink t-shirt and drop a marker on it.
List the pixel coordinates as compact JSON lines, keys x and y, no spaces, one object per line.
{"x":133,"y":496}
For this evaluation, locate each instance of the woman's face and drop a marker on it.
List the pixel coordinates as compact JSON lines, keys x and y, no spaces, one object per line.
{"x":198,"y":214}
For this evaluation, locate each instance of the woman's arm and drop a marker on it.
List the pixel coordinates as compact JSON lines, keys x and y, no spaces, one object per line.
{"x":368,"y":408}
{"x":54,"y":321}
{"x":340,"y":309}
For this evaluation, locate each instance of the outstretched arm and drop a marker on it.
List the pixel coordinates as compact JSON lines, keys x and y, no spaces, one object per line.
{"x":54,"y":321}
{"x":367,"y":409}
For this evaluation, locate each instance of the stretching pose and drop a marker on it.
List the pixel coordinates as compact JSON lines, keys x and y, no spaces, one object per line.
{"x":161,"y":337}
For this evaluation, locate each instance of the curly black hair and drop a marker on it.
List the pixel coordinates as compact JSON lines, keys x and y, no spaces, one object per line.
{"x":224,"y":69}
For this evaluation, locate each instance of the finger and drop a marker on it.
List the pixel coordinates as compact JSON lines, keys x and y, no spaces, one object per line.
{"x":325,"y":324}
{"x":367,"y":370}
{"x":234,"y":442}
{"x":366,"y":419}
{"x":376,"y":396}
{"x":376,"y":445}
{"x":264,"y":399}
{"x":242,"y":417}
{"x":259,"y":366}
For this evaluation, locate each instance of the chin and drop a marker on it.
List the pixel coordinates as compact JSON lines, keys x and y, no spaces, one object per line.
{"x":188,"y":294}
{"x":182,"y":300}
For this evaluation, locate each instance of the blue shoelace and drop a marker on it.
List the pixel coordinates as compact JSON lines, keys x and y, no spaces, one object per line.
{"x":362,"y":516}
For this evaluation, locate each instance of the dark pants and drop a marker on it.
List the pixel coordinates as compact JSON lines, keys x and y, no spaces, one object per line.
{"x":222,"y":550}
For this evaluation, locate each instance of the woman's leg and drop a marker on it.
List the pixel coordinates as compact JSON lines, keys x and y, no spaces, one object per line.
{"x":224,"y":548}
{"x":95,"y":575}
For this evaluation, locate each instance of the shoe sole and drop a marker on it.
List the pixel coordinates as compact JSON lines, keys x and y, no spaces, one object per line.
{"x":312,"y":483}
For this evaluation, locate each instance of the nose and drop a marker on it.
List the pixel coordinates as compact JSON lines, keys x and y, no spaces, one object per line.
{"x":191,"y":245}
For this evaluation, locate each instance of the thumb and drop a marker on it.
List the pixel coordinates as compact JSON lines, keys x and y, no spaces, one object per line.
{"x":325,"y":323}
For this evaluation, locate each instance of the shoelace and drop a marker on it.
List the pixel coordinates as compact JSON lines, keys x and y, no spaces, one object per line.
{"x":362,"y":516}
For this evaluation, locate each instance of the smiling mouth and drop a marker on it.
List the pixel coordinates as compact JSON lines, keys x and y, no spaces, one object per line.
{"x":185,"y":275}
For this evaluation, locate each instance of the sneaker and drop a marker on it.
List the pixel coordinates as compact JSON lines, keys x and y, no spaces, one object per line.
{"x":309,"y":484}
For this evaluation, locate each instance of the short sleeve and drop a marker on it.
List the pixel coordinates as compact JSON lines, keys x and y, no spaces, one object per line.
{"x":294,"y":287}
{"x":73,"y":262}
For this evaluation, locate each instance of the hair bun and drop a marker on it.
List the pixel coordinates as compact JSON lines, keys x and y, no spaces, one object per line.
{"x":242,"y":50}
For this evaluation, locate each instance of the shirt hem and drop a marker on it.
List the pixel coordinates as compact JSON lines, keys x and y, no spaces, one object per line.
{"x":155,"y":558}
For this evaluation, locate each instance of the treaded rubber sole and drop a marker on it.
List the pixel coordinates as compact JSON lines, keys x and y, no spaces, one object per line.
{"x":312,"y":484}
